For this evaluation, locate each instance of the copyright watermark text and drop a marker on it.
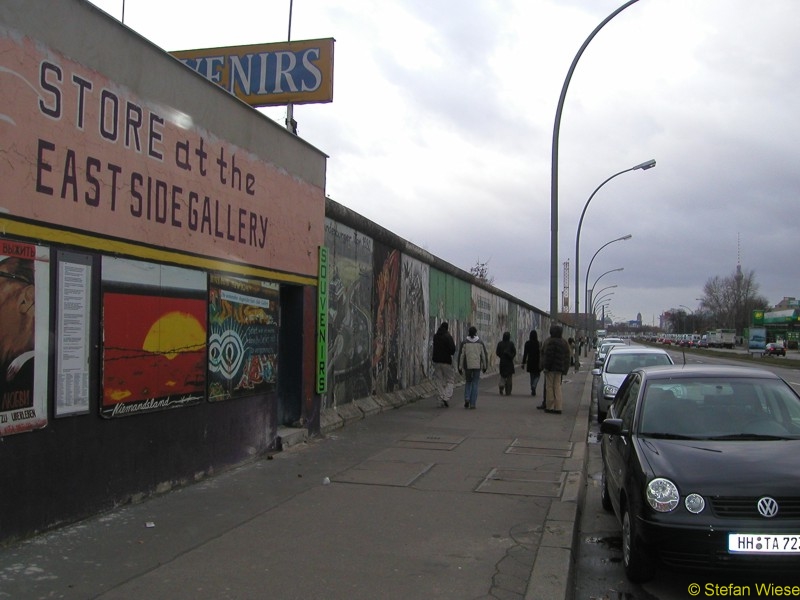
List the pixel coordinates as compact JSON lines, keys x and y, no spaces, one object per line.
{"x":732,"y":590}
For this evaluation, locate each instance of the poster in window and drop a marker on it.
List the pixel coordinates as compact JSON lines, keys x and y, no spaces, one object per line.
{"x":244,"y":317}
{"x":24,"y":333}
{"x":154,"y":337}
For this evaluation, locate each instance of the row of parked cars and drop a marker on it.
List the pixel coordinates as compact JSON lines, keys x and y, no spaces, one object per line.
{"x":701,"y":463}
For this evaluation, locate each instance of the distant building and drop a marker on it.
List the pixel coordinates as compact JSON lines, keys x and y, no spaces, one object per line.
{"x":787,"y":303}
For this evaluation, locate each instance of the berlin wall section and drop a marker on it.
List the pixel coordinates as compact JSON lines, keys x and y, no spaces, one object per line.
{"x":387,"y":297}
{"x":159,"y":244}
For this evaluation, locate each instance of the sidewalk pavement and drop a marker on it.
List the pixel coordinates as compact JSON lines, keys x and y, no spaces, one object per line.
{"x":413,"y":502}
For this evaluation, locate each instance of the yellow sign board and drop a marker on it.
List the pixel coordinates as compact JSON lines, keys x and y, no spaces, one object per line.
{"x":268,"y":74}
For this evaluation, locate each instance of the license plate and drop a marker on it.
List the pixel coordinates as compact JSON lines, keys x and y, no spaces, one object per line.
{"x":763,"y":543}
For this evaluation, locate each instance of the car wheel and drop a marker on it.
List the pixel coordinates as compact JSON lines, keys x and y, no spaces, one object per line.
{"x":638,"y":565}
{"x":605,"y":498}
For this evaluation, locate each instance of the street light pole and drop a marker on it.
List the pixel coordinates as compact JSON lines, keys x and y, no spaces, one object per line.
{"x":691,"y":313}
{"x":586,"y":283}
{"x":600,"y":300}
{"x":648,"y":164}
{"x":554,"y":164}
{"x":594,"y":285}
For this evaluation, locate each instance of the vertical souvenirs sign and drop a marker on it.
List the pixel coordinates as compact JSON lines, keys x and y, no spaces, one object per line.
{"x":154,"y":337}
{"x":24,"y":333}
{"x":244,"y":316}
{"x":322,"y":322}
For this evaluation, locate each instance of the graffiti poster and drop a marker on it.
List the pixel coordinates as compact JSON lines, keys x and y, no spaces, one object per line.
{"x":24,"y":304}
{"x":349,"y":314}
{"x":154,"y":337}
{"x":244,"y":317}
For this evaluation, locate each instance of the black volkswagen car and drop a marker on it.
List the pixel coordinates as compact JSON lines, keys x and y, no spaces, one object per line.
{"x":701,"y":465}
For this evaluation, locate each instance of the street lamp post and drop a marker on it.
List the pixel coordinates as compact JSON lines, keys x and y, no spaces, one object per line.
{"x":648,"y":164}
{"x":594,"y":285}
{"x":593,"y":299}
{"x":601,"y":300}
{"x":691,"y":314}
{"x":586,"y":284}
{"x":554,"y":164}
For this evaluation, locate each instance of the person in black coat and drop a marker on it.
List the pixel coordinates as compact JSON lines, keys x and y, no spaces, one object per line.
{"x":555,"y":362}
{"x":506,"y":351}
{"x":531,"y":360}
{"x":442,"y":357}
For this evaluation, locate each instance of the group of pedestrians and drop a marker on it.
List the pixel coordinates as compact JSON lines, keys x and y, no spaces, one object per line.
{"x":553,"y":357}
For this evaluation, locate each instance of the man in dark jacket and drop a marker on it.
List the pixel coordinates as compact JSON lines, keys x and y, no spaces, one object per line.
{"x":530,"y":359}
{"x":555,"y":360}
{"x":443,"y":376}
{"x":506,"y":351}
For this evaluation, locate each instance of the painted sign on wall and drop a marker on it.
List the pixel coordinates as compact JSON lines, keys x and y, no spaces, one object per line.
{"x":82,"y":152}
{"x":268,"y":74}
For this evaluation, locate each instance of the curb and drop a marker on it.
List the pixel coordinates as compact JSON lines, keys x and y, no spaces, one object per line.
{"x":554,"y":566}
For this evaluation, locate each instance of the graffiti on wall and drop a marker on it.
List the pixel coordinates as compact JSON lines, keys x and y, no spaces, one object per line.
{"x":385,"y":307}
{"x":244,"y":317}
{"x":385,"y":355}
{"x":349,"y":314}
{"x":414,"y":294}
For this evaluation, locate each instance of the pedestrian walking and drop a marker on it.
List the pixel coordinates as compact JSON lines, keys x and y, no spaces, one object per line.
{"x":443,"y":376}
{"x":472,"y":360}
{"x":530,"y":360}
{"x":555,"y":357}
{"x":506,"y":351}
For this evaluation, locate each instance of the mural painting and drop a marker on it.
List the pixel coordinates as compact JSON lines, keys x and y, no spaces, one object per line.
{"x":349,"y":314}
{"x":483,"y":317}
{"x":385,"y":355}
{"x":413,"y":339}
{"x":154,"y":337}
{"x":244,"y":317}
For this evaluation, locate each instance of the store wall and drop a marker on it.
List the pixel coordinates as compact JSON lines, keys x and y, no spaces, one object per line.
{"x":159,"y":257}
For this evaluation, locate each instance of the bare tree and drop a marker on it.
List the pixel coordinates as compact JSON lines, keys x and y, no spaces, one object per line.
{"x":481,"y":271}
{"x":730,"y":301}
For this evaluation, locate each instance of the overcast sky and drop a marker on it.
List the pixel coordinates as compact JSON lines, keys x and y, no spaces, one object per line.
{"x":441,"y":129}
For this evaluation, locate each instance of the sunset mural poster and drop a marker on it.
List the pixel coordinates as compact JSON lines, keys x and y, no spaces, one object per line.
{"x":244,"y":317}
{"x":154,"y":337}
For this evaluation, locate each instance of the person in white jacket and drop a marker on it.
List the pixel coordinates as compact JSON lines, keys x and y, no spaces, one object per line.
{"x":472,"y":360}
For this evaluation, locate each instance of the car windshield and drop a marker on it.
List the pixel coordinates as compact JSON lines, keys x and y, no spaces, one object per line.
{"x":606,"y":347}
{"x":621,"y":364}
{"x":720,"y":409}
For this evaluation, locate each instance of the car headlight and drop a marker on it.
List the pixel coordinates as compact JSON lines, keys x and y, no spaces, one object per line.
{"x":610,"y":390}
{"x":662,"y":495}
{"x":694,"y":503}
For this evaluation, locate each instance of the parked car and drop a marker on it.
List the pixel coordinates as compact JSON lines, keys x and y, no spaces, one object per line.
{"x":700,"y":467}
{"x":702,"y":343}
{"x":620,"y":361}
{"x":773,"y":349}
{"x":600,"y":355}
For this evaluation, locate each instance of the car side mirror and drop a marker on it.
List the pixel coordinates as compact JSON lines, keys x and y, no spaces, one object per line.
{"x":595,"y":371}
{"x":611,"y":427}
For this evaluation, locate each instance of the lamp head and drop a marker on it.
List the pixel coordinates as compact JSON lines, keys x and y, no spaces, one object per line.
{"x":648,"y":164}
